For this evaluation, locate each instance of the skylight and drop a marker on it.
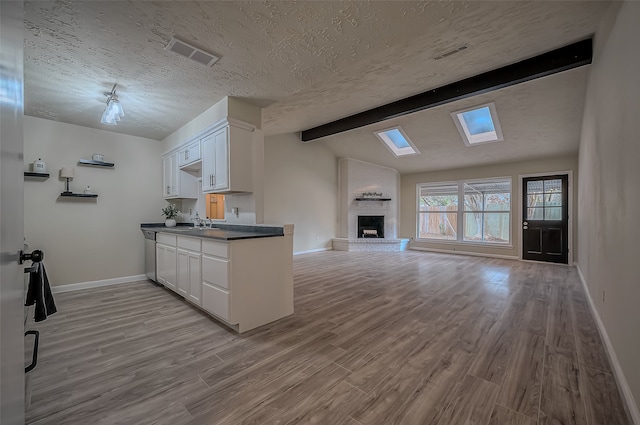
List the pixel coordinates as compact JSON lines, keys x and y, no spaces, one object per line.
{"x":397,"y":141}
{"x":478,"y":124}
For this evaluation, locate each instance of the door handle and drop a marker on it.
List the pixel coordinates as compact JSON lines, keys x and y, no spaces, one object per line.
{"x":36,"y":256}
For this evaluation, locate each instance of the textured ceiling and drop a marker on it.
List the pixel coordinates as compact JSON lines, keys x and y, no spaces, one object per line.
{"x":307,"y":63}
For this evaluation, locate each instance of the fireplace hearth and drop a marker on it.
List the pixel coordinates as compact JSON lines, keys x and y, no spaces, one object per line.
{"x":371,"y":226}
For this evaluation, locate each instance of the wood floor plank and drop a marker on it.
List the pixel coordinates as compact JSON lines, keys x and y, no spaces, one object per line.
{"x":602,"y":398}
{"x":503,"y":416}
{"x":472,"y":404}
{"x":561,"y":400}
{"x":405,"y":338}
{"x":521,"y":387}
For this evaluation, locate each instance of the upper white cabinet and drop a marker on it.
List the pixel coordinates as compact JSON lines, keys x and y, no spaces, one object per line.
{"x":227,"y":160}
{"x":189,"y":154}
{"x":176,"y":183}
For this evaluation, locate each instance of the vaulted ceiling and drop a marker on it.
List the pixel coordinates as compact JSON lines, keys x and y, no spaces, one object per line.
{"x":308,"y":63}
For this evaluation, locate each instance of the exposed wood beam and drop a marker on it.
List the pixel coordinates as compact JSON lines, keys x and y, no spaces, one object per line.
{"x":562,"y":59}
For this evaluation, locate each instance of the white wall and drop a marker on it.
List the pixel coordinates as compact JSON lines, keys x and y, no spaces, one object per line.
{"x":301,"y":187}
{"x":357,"y":177}
{"x":609,"y":195}
{"x":408,"y":207}
{"x":87,"y":240}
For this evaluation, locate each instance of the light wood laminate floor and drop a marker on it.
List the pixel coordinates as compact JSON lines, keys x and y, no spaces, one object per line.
{"x":376,"y":338}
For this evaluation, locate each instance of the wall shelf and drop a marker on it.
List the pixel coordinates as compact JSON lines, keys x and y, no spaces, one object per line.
{"x":373,"y":199}
{"x":91,"y":163}
{"x":78,"y":195}
{"x":39,"y":176}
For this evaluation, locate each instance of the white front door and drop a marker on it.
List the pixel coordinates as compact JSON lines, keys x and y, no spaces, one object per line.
{"x":11,"y":214}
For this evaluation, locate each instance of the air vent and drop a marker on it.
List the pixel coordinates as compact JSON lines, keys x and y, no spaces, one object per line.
{"x":191,"y":52}
{"x":450,"y":52}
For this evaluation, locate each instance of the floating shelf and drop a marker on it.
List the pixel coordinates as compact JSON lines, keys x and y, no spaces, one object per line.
{"x":92,"y":163}
{"x":79,"y":195}
{"x":373,"y":199}
{"x":42,"y":176}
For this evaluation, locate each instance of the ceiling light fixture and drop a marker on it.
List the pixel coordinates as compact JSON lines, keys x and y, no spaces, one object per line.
{"x":113,"y":112}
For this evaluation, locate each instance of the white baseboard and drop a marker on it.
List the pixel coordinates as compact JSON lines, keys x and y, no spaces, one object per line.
{"x":474,"y":254}
{"x":312,"y":250}
{"x":623,"y":385}
{"x":97,"y":283}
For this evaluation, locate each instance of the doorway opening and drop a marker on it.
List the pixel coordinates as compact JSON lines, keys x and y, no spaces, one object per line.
{"x":215,"y":206}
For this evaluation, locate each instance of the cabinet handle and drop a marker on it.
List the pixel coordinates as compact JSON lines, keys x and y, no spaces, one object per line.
{"x":210,"y":179}
{"x":186,"y":155}
{"x":168,"y":190}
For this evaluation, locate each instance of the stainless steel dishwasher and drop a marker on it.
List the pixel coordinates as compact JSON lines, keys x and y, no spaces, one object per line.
{"x":150,"y":253}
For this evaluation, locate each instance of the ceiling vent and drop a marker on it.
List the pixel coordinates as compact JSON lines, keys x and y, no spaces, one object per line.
{"x":187,"y":50}
{"x":450,"y":52}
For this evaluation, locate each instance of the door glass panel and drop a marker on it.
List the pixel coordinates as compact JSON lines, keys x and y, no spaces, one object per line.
{"x":535,"y":200}
{"x":535,"y":213}
{"x":535,"y":187}
{"x":553,"y":199}
{"x":553,"y":213}
{"x":553,"y":186}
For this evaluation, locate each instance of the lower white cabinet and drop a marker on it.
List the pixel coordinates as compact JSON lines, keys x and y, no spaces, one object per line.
{"x":244,"y":283}
{"x":166,"y":265}
{"x":189,"y":283}
{"x":216,"y":290}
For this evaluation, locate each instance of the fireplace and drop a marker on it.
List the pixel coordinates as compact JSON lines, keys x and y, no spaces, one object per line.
{"x":370,"y":226}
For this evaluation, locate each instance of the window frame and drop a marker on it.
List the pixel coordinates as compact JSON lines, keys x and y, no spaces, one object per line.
{"x":461,"y":213}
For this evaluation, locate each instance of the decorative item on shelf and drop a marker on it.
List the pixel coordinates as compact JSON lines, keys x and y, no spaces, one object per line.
{"x":371,"y":195}
{"x":67,"y":173}
{"x":40,"y":166}
{"x":113,"y":112}
{"x":88,"y":190}
{"x":171,"y":212}
{"x":97,"y":157}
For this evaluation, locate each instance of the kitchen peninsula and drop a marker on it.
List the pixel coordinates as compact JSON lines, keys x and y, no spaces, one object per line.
{"x":242,"y":275}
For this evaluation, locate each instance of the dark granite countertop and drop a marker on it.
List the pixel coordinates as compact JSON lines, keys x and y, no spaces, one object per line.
{"x":226,"y":232}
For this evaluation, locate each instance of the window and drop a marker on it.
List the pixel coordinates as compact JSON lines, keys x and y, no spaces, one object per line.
{"x":477,"y":211}
{"x":438,"y":212}
{"x":478,"y":124}
{"x":397,"y":141}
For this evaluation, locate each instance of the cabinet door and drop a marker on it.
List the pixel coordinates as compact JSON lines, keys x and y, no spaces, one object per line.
{"x":182,"y":273}
{"x":195,"y":279}
{"x":169,"y":176}
{"x":193,"y":152}
{"x":166,"y":265}
{"x":208,"y":163}
{"x":170,"y":267}
{"x":221,"y":180}
{"x":160,"y":264}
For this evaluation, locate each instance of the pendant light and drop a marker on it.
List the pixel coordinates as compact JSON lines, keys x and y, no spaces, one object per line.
{"x":113,"y":112}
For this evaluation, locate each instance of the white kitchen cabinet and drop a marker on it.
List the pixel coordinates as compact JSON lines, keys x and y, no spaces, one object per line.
{"x":227,"y":160}
{"x":189,"y":281}
{"x":189,"y":154}
{"x":176,"y":183}
{"x":166,"y":265}
{"x":216,"y":287}
{"x":243,"y":283}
